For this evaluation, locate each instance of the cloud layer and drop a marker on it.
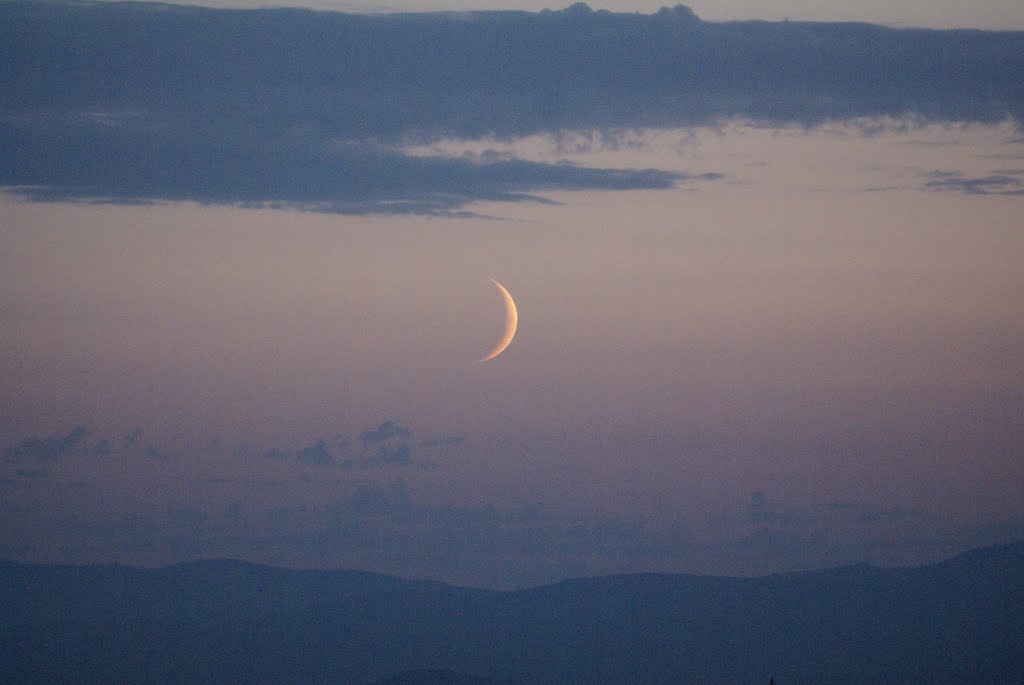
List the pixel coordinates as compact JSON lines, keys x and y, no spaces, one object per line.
{"x":135,"y":102}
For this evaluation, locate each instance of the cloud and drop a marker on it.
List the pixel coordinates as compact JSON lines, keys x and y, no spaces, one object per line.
{"x":838,"y":505}
{"x":316,"y":454}
{"x":100,"y":164}
{"x":235,"y":511}
{"x":138,"y":529}
{"x":400,"y":455}
{"x":187,"y":516}
{"x":384,"y":527}
{"x":760,"y":511}
{"x":388,"y":430}
{"x":870,"y":517}
{"x":528,"y":529}
{"x":444,"y":441}
{"x":113,"y":102}
{"x":385,"y":445}
{"x":392,"y":501}
{"x":40,"y":472}
{"x":486,"y":543}
{"x":507,"y":73}
{"x":1007,"y":183}
{"x":56,"y":447}
{"x":384,"y":456}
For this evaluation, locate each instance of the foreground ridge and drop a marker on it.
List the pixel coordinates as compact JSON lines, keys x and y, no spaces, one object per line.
{"x":229,"y":621}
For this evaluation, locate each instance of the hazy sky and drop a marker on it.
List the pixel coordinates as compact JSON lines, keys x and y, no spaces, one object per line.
{"x":750,"y":339}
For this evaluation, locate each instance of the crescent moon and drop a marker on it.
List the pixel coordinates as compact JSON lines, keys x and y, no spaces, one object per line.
{"x":511,"y":322}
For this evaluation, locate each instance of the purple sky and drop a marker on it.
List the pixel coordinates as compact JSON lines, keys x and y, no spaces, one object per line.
{"x":814,"y":361}
{"x":806,"y":349}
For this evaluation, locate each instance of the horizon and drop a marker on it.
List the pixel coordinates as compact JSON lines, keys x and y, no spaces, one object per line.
{"x":968,"y":553}
{"x":989,"y":15}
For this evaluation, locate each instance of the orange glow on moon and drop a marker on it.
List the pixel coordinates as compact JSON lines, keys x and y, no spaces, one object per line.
{"x":511,"y":322}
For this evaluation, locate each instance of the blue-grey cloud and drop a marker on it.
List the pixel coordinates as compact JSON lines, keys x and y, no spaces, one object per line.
{"x":40,"y":472}
{"x":769,"y":515}
{"x":56,"y":447}
{"x":131,"y":102}
{"x":838,"y":505}
{"x":130,"y":439}
{"x":870,"y":517}
{"x":234,"y":511}
{"x":459,"y":528}
{"x":187,"y":516}
{"x":317,"y":454}
{"x":1007,"y":183}
{"x":392,"y":501}
{"x":384,"y":446}
{"x":93,"y":163}
{"x":400,"y":455}
{"x":386,"y":431}
{"x":377,"y":77}
{"x":443,"y":441}
{"x":139,"y":529}
{"x":384,"y":456}
{"x":384,"y":526}
{"x":761,"y":511}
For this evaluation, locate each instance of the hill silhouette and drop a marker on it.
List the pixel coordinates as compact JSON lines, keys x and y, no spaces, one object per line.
{"x":228,"y":621}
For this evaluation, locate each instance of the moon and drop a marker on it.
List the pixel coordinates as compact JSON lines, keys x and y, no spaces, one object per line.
{"x":511,"y":321}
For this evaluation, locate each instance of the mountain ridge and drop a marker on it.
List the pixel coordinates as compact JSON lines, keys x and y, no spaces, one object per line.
{"x":229,"y":621}
{"x":1010,"y":550}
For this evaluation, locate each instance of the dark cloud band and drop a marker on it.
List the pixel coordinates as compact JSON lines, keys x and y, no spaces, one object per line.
{"x":128,"y":102}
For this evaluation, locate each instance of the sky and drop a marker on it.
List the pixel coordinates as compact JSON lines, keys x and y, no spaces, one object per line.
{"x":768,"y":296}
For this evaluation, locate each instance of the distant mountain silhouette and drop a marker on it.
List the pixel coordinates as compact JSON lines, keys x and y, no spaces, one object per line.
{"x":958,"y":621}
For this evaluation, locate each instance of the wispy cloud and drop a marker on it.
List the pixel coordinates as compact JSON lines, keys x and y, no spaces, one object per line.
{"x":388,"y":430}
{"x":443,"y":441}
{"x":57,"y":447}
{"x":40,"y":472}
{"x":317,"y":454}
{"x":387,"y":446}
{"x":1006,"y":183}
